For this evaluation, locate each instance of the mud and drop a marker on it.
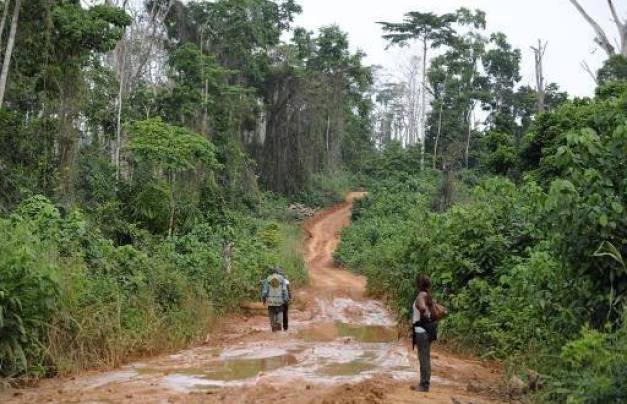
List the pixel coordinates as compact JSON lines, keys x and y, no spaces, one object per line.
{"x":341,"y":348}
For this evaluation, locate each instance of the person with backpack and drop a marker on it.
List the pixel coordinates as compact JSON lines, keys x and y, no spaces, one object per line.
{"x":274,"y":294}
{"x":286,"y":305}
{"x":425,"y":314}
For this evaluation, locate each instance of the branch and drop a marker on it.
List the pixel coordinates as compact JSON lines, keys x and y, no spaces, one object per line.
{"x":617,"y":20}
{"x":601,"y":36}
{"x":586,"y":67}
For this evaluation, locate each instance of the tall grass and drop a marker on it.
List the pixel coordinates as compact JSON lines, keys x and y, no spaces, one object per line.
{"x":70,"y":299}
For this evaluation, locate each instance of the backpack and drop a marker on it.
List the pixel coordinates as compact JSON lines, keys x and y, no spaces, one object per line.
{"x":276,"y":286}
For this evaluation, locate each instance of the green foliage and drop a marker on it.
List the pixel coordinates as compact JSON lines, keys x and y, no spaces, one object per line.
{"x":522,"y":267}
{"x":500,"y":153}
{"x":28,"y":297}
{"x":595,"y":369}
{"x":70,"y":298}
{"x":169,"y":147}
{"x":613,"y":70}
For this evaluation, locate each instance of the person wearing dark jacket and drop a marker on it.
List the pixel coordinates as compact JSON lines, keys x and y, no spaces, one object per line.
{"x":424,"y":331}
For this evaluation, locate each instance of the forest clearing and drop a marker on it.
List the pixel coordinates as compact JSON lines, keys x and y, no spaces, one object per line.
{"x":436,"y":193}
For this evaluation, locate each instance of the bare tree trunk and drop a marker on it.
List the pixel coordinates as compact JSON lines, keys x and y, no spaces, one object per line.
{"x":7,"y":55}
{"x":540,"y":87}
{"x":437,"y":136}
{"x":5,"y":13}
{"x":622,"y":28}
{"x":120,"y":100}
{"x":172,"y":204}
{"x":470,"y":121}
{"x":327,"y":132}
{"x":601,"y":38}
{"x":423,"y":107}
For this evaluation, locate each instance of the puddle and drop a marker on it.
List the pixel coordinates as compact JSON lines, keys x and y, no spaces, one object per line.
{"x":326,"y":332}
{"x":367,"y":333}
{"x":111,"y":377}
{"x":241,"y":369}
{"x":184,"y":383}
{"x":215,"y":373}
{"x":352,"y":368}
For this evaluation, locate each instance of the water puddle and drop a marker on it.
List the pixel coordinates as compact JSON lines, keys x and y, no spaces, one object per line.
{"x":352,"y":368}
{"x":226,"y":370}
{"x":326,"y":332}
{"x":110,"y":377}
{"x":241,"y":369}
{"x":349,"y":341}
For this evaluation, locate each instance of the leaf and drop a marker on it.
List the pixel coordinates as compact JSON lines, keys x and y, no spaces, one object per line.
{"x":617,"y":207}
{"x":607,"y":249}
{"x":603,"y":221}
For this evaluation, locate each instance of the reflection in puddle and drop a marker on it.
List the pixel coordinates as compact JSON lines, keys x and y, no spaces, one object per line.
{"x":347,"y":369}
{"x":224,"y":370}
{"x":326,"y":332}
{"x":239,"y":369}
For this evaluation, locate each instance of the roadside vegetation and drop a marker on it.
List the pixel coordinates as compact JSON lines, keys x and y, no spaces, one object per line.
{"x":147,"y":165}
{"x":531,"y":265}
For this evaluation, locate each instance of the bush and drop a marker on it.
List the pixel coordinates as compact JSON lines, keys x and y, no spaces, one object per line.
{"x":70,"y":298}
{"x":594,"y":369}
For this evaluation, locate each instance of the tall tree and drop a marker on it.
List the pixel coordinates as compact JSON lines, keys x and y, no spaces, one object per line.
{"x":538,"y":53}
{"x":431,"y":30}
{"x":501,"y":64}
{"x":5,"y":13}
{"x":6,"y":62}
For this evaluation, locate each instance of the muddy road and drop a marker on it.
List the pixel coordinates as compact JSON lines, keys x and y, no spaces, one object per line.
{"x":341,"y":348}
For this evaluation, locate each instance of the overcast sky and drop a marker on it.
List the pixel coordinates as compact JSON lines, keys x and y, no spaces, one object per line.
{"x":524,"y":21}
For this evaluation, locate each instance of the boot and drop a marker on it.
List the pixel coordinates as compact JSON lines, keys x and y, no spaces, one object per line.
{"x":420,"y":388}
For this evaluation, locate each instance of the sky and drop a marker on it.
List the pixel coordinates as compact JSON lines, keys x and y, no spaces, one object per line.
{"x":570,"y":38}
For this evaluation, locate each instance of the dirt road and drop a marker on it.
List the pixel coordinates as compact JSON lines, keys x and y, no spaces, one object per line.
{"x":341,"y":348}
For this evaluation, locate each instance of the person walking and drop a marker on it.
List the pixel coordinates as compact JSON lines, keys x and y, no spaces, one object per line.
{"x":286,"y":305}
{"x":274,"y":295}
{"x":424,"y":330}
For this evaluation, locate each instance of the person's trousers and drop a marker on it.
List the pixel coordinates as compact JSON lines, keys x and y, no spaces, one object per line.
{"x":424,"y":356}
{"x":276,"y":317}
{"x":285,"y":319}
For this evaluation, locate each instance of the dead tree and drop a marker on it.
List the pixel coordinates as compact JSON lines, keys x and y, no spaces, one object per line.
{"x":540,"y":86}
{"x":602,"y":38}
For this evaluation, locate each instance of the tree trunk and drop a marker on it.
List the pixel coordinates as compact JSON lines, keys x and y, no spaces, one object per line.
{"x":172,"y":204}
{"x":437,"y":136}
{"x":423,"y":107}
{"x":467,"y":151}
{"x":601,"y":38}
{"x":540,"y":87}
{"x":67,"y":138}
{"x":120,"y":100}
{"x":622,"y":28}
{"x":327,"y":132}
{"x":7,"y":55}
{"x":5,"y":13}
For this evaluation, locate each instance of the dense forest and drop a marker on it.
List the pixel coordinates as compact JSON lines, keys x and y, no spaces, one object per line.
{"x":149,"y":151}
